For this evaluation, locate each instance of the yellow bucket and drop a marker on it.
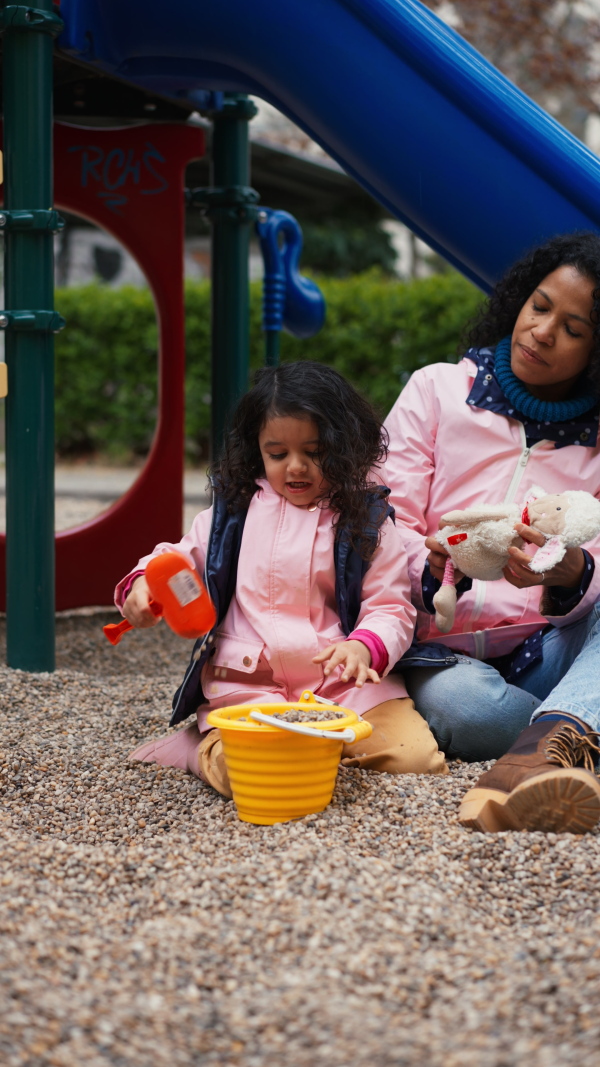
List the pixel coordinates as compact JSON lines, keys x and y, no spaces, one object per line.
{"x":283,"y":772}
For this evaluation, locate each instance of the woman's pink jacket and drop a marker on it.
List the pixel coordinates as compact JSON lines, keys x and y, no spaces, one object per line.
{"x":284,"y":609}
{"x":445,"y":454}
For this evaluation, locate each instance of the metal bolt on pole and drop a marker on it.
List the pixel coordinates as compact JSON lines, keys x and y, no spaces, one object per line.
{"x":30,"y":321}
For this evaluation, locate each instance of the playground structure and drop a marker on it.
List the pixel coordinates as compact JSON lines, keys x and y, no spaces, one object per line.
{"x":116,"y":179}
{"x":422,"y":121}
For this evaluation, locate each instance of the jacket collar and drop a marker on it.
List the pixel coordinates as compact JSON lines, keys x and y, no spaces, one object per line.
{"x":486,"y":393}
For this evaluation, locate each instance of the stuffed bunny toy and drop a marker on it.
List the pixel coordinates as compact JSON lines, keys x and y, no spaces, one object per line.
{"x":478,"y":539}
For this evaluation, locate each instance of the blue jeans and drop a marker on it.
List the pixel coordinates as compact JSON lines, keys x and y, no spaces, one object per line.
{"x":475,"y":715}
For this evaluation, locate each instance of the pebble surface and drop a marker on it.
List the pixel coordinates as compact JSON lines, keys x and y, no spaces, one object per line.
{"x":141,"y":924}
{"x":296,"y":715}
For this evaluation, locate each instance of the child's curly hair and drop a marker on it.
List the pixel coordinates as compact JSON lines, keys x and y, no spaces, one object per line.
{"x":352,"y":441}
{"x":497,"y":316}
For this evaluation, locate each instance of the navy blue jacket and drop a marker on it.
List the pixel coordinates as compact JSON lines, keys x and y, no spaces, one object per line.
{"x":220,"y":577}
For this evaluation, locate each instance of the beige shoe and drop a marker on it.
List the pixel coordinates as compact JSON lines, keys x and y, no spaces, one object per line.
{"x":401,"y":742}
{"x":211,"y":763}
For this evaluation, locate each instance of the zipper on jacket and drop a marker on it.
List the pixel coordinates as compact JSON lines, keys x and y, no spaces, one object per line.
{"x":511,"y":493}
{"x":479,"y":600}
{"x":521,"y":465}
{"x":479,"y":638}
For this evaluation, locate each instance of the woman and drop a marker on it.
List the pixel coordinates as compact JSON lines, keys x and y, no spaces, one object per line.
{"x":520,"y":409}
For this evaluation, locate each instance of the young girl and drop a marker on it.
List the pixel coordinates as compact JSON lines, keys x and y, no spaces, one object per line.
{"x":307,"y":572}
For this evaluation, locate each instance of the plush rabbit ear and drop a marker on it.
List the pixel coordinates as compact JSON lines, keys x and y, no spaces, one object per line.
{"x":548,"y":555}
{"x":535,"y":493}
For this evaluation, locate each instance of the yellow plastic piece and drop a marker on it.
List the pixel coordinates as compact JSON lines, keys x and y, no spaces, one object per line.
{"x":277,"y":776}
{"x":3,"y":380}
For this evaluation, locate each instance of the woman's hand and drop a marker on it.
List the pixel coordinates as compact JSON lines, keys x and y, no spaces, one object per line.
{"x":568,"y":573}
{"x":437,"y":560}
{"x":356,"y":659}
{"x":136,"y":608}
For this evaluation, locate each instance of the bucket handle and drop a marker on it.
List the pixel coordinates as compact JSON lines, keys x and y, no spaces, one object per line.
{"x":347,"y":735}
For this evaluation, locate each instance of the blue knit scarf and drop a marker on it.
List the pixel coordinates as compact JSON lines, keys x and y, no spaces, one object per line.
{"x":537,"y":410}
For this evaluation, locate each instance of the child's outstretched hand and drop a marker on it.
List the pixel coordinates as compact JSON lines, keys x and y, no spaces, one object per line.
{"x":136,"y":608}
{"x":356,"y":659}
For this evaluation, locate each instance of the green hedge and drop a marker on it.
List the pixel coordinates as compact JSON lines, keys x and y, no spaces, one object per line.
{"x":106,"y":363}
{"x":377,"y":332}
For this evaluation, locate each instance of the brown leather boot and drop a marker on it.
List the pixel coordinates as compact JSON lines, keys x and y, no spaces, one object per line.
{"x":546,"y":781}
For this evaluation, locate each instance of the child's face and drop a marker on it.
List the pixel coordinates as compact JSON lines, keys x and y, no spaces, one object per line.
{"x":289,"y":448}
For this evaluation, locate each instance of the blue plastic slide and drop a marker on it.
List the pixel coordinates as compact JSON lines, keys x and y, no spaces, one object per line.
{"x":419,"y":118}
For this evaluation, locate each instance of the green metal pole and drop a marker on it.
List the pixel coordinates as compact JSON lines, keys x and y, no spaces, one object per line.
{"x":28,"y":223}
{"x":231,"y":212}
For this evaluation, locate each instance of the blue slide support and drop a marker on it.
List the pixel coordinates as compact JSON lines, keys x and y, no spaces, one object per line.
{"x":417,"y":116}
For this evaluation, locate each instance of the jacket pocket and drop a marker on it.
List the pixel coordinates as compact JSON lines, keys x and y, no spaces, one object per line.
{"x":236,"y":653}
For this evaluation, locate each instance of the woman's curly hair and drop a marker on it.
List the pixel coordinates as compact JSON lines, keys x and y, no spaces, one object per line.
{"x":497,"y":316}
{"x":352,"y":441}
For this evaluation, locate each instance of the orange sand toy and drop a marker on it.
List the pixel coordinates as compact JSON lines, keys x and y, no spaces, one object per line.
{"x":178,"y":594}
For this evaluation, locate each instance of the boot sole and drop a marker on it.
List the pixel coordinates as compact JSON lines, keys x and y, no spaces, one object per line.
{"x":566,"y":800}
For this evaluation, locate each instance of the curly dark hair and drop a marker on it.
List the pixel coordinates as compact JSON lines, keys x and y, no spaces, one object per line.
{"x":352,"y":441}
{"x":497,"y":316}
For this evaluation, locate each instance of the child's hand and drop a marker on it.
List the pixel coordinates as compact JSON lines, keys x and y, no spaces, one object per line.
{"x":356,"y":658}
{"x":136,"y":608}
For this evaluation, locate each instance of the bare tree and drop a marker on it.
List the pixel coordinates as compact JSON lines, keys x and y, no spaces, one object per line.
{"x":549,"y":48}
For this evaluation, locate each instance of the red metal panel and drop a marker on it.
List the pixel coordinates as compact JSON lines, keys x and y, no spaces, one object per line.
{"x":130,"y":182}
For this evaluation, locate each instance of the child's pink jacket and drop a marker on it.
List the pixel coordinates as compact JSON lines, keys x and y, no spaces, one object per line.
{"x":444,"y":455}
{"x":284,"y":611}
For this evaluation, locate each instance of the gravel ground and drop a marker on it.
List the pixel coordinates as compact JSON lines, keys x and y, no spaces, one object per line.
{"x":141,"y":924}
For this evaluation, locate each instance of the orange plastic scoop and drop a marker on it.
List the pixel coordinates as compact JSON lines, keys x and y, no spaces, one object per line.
{"x":115,"y":630}
{"x":178,"y":594}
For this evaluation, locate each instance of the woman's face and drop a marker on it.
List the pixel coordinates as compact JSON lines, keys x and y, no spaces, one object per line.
{"x":553,"y":335}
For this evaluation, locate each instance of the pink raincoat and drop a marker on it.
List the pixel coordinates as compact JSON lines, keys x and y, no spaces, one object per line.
{"x":284,"y":611}
{"x":445,"y":454}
